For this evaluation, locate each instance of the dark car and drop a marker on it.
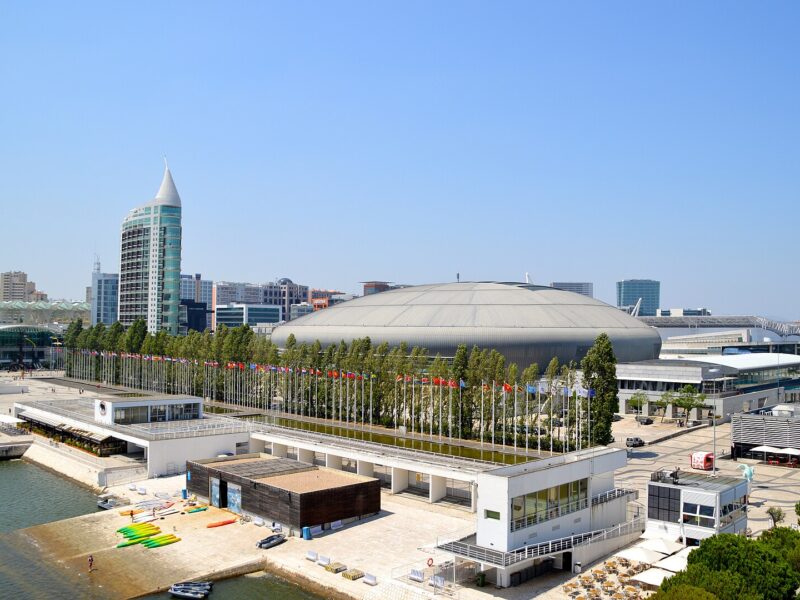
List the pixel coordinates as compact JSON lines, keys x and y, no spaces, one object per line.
{"x":645,"y":420}
{"x":634,"y":442}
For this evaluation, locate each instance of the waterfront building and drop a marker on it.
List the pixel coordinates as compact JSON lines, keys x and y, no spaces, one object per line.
{"x":731,"y":383}
{"x":150,"y":261}
{"x":629,"y":292}
{"x":524,"y":322}
{"x":692,"y":507}
{"x":550,"y":514}
{"x":105,"y":296}
{"x":237,"y":314}
{"x":288,"y":492}
{"x":584,"y":288}
{"x":770,"y":435}
{"x":164,"y":432}
{"x":298,"y":310}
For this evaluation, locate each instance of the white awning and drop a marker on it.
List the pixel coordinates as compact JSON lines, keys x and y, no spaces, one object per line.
{"x":44,"y":420}
{"x":765,"y":449}
{"x":641,"y":555}
{"x":660,"y":545}
{"x":652,"y":576}
{"x":686,"y":551}
{"x":789,"y":451}
{"x":9,"y":420}
{"x":672,"y":563}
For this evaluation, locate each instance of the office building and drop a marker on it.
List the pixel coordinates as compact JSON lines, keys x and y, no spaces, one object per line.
{"x":692,"y":507}
{"x":630,"y":291}
{"x":298,"y":310}
{"x":584,"y":288}
{"x":376,"y":287}
{"x":683,"y":312}
{"x":235,"y":314}
{"x":150,"y":261}
{"x":14,"y":286}
{"x":283,"y":293}
{"x":192,"y":316}
{"x":104,"y":296}
{"x":199,"y":290}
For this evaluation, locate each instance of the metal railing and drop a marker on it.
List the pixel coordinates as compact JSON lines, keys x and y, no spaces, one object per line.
{"x":548,"y":514}
{"x":613,"y":494}
{"x":557,"y":546}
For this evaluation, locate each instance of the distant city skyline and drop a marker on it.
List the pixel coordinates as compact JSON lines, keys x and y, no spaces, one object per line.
{"x":350,"y":141}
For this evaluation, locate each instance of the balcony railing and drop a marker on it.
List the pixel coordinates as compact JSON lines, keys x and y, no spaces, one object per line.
{"x":548,"y":514}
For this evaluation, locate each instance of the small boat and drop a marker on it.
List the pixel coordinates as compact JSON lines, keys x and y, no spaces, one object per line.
{"x":271,"y":541}
{"x":197,"y":509}
{"x":186,"y":593}
{"x":205,"y":584}
{"x":221,"y":523}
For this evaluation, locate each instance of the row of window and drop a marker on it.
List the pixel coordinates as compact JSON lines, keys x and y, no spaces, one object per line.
{"x":549,"y":503}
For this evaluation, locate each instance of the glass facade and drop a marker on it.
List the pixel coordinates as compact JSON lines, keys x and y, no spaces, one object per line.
{"x":630,"y":290}
{"x":105,"y":297}
{"x":131,"y":415}
{"x":549,"y":503}
{"x":150,"y":263}
{"x":663,"y":503}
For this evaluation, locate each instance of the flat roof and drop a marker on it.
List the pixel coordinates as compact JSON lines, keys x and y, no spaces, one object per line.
{"x":704,"y":482}
{"x":748,"y":362}
{"x":314,"y":480}
{"x":553,"y":461}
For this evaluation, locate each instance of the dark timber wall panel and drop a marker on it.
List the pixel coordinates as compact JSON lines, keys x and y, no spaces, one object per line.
{"x":325,"y":506}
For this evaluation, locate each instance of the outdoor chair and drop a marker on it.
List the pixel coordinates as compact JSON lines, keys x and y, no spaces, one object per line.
{"x":370,"y":579}
{"x":323,"y":561}
{"x":416,"y":575}
{"x":312,"y":556}
{"x":437,"y":581}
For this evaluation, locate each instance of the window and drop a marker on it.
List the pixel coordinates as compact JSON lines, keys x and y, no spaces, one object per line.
{"x":699,"y":514}
{"x":663,"y":503}
{"x":549,"y":503}
{"x":491,"y":514}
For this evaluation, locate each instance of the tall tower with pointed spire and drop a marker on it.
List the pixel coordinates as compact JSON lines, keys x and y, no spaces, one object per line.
{"x":150,"y":261}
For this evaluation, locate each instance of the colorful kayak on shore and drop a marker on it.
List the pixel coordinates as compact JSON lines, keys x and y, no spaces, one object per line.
{"x":197,"y":509}
{"x":221,"y":523}
{"x":128,"y":513}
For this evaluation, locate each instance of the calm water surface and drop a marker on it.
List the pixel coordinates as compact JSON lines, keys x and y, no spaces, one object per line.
{"x":30,"y":495}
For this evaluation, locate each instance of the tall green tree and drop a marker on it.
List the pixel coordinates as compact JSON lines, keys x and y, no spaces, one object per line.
{"x":134,"y":336}
{"x":73,"y":331}
{"x":600,"y":374}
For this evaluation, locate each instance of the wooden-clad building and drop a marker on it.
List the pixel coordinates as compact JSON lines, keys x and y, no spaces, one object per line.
{"x":282,"y":490}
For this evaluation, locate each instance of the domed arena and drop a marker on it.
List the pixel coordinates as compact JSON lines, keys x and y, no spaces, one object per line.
{"x":524,"y":322}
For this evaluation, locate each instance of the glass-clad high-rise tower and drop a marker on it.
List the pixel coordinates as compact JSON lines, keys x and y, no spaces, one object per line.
{"x":150,"y":261}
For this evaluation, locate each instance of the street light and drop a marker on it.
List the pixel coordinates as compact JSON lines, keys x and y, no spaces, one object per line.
{"x":714,"y":427}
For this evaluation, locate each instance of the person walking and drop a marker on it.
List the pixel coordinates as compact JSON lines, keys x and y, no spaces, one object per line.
{"x":91,"y":563}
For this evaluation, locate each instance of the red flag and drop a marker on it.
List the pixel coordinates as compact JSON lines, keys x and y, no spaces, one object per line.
{"x":452,"y":383}
{"x":399,"y":378}
{"x":507,"y":387}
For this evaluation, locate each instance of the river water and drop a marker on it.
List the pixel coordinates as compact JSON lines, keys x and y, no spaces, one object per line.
{"x":30,"y":495}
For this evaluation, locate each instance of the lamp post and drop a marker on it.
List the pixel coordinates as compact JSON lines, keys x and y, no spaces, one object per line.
{"x":714,"y":427}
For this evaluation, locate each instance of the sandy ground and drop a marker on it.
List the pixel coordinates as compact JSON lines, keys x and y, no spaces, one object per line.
{"x":136,"y":570}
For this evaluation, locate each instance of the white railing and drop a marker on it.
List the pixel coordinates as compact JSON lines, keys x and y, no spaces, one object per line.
{"x":613,"y":494}
{"x":550,"y":513}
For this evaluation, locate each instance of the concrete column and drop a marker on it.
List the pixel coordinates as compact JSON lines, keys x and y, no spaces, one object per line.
{"x":399,"y":480}
{"x":503,"y":577}
{"x":257,"y":445}
{"x":305,"y":456}
{"x":333,"y":462}
{"x":279,"y":450}
{"x":367,"y":469}
{"x":437,"y":489}
{"x":473,"y":506}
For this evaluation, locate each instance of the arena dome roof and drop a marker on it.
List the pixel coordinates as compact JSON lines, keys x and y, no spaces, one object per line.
{"x":527,"y":323}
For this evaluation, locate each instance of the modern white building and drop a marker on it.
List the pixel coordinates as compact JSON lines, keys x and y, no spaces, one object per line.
{"x":562,"y":511}
{"x":731,"y":382}
{"x":691,"y":507}
{"x":150,"y":261}
{"x":164,"y":432}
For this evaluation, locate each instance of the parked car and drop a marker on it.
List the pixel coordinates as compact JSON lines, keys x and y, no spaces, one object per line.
{"x":634,"y":442}
{"x":644,"y":420}
{"x":615,"y":417}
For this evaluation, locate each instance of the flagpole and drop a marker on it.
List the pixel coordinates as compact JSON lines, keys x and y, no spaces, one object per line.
{"x":482,"y":384}
{"x":494,"y":422}
{"x":515,"y":417}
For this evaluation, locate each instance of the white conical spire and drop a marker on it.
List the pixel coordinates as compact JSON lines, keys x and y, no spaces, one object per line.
{"x":167,"y":193}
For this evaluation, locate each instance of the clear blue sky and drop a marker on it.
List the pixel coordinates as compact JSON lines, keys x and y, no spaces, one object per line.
{"x":333,"y":142}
